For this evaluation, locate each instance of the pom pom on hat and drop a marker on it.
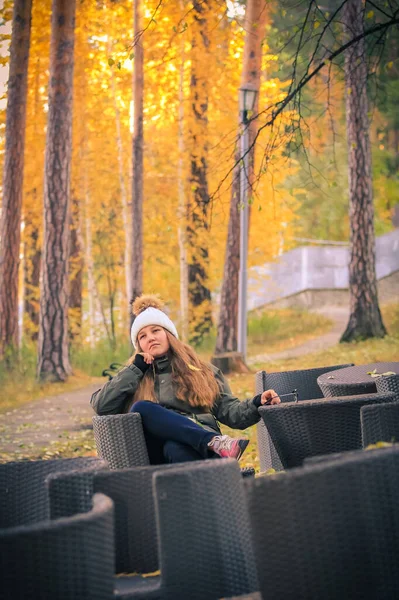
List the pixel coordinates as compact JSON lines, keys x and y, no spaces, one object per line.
{"x":146,"y":301}
{"x":148,"y":311}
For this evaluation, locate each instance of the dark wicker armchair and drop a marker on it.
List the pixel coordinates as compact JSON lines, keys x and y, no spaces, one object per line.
{"x":65,"y":559}
{"x":312,"y":427}
{"x":305,"y":382}
{"x":380,"y":423}
{"x":131,"y":490}
{"x":328,"y":531}
{"x":205,"y":540}
{"x":23,"y":493}
{"x":199,"y":523}
{"x":120,"y":440}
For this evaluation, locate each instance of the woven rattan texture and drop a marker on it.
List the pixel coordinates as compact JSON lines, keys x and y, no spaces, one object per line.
{"x":253,"y":596}
{"x":305,"y":381}
{"x":23,"y":493}
{"x":354,"y":380}
{"x":380,"y":423}
{"x":315,"y":427}
{"x":120,"y":440}
{"x":337,"y":456}
{"x":67,"y":559}
{"x":329,"y":531}
{"x":136,"y":539}
{"x":388,"y":383}
{"x":70,"y":493}
{"x":204,"y":528}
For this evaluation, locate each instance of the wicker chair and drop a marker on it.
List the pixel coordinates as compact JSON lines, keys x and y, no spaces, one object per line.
{"x":120,"y":440}
{"x":328,"y":531}
{"x":204,"y":539}
{"x":313,"y":427}
{"x":380,"y":423}
{"x":23,"y":493}
{"x":253,"y":596}
{"x":66,"y":559}
{"x":131,"y":490}
{"x":305,"y":382}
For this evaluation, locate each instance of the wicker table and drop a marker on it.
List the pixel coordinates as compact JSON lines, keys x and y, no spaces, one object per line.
{"x":353,"y":380}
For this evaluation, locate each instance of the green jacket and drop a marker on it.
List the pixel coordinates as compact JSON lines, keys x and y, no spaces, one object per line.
{"x":115,"y":395}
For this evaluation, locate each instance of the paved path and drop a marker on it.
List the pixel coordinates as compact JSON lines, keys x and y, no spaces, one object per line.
{"x":36,"y":425}
{"x":338,"y":315}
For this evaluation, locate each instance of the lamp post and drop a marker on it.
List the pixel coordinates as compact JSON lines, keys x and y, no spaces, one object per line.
{"x":247,"y":96}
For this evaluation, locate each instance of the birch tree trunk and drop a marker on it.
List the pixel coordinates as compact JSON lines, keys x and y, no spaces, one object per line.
{"x":122,"y":183}
{"x":76,"y":275}
{"x":138,"y":141}
{"x":91,"y":289}
{"x":53,"y":359}
{"x":32,"y":250}
{"x":365,"y":317}
{"x":10,"y":224}
{"x":198,"y":206}
{"x":182,"y":209}
{"x":95,"y":304}
{"x":32,"y":260}
{"x":226,"y":341}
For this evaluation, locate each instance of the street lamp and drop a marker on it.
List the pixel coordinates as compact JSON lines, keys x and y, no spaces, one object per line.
{"x":247,"y":97}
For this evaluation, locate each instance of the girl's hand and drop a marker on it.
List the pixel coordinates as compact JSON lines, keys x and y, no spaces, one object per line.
{"x":270,"y":397}
{"x":148,"y":358}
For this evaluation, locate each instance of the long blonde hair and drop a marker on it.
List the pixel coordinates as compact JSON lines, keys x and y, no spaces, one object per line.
{"x":193,"y":380}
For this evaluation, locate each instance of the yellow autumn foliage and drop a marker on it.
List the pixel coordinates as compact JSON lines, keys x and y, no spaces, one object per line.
{"x":102,"y":146}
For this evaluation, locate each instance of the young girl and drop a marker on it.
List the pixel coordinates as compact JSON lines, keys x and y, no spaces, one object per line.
{"x":180,"y":398}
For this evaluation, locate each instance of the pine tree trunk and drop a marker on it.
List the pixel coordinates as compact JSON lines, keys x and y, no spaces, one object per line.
{"x":53,"y":359}
{"x":138,"y":141}
{"x":227,"y":331}
{"x":198,"y":208}
{"x":75,"y":276}
{"x":255,"y":26}
{"x":10,"y":225}
{"x":365,"y":319}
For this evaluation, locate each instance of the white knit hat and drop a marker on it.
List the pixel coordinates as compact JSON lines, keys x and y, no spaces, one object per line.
{"x":148,"y":312}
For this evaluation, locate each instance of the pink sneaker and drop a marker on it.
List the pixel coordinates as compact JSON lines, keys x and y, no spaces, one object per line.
{"x":228,"y":447}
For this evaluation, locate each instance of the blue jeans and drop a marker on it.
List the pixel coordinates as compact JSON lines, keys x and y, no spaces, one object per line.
{"x":171,"y":437}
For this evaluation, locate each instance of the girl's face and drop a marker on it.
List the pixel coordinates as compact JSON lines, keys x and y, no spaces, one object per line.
{"x":153,"y":339}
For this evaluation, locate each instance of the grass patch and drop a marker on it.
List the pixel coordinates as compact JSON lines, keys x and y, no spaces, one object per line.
{"x":283,"y":328}
{"x":20,"y":386}
{"x":274,"y":329}
{"x":363,"y":352}
{"x":92,"y":361}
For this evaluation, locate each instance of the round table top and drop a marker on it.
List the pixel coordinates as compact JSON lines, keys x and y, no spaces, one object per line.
{"x":358,"y":374}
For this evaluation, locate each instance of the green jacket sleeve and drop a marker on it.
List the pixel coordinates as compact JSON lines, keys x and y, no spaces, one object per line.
{"x":231,"y":411}
{"x":112,"y":397}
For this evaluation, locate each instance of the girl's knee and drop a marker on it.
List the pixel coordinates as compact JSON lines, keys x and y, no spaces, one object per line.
{"x":141,"y":406}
